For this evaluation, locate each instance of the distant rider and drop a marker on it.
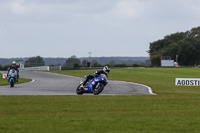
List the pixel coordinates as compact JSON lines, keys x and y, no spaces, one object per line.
{"x":105,"y":71}
{"x":14,"y":66}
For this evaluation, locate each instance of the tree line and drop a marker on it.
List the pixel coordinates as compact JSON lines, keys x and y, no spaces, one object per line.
{"x":73,"y":62}
{"x":76,"y":63}
{"x":34,"y":61}
{"x":184,"y":45}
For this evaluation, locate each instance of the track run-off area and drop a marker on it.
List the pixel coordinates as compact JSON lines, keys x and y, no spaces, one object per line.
{"x":45,"y":83}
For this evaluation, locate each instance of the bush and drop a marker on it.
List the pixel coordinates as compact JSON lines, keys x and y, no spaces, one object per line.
{"x":120,"y":65}
{"x":76,"y":65}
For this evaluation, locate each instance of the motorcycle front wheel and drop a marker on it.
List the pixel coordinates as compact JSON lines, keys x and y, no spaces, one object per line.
{"x":97,"y":90}
{"x":79,"y":90}
{"x":12,"y":84}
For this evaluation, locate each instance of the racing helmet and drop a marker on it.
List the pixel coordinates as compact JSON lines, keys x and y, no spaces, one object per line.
{"x":106,"y":69}
{"x":14,"y":63}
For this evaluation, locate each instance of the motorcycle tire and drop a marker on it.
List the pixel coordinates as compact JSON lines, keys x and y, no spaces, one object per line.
{"x":79,"y":90}
{"x":12,"y":84}
{"x":98,"y":90}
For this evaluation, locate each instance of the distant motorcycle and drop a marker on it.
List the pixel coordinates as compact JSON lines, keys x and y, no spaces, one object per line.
{"x":12,"y":77}
{"x":95,"y":85}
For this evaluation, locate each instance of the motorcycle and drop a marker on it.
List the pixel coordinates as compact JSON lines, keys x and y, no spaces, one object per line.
{"x":95,"y":85}
{"x":12,"y":77}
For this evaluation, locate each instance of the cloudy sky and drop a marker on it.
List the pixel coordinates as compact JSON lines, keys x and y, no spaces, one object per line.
{"x":62,"y":28}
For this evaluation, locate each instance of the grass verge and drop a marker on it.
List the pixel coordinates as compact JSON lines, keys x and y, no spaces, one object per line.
{"x":175,"y":109}
{"x":5,"y":81}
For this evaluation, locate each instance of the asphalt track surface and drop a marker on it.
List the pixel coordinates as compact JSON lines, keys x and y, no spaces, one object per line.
{"x":45,"y":83}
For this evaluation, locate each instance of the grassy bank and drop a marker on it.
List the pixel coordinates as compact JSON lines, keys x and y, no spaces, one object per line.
{"x":174,"y":109}
{"x":155,"y":114}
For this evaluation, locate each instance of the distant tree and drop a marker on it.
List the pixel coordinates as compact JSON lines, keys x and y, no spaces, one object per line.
{"x":189,"y":51}
{"x":76,"y":65}
{"x":73,"y":56}
{"x":70,"y":62}
{"x":88,"y":64}
{"x":1,"y":67}
{"x":4,"y":67}
{"x":95,"y":64}
{"x":135,"y":65}
{"x":172,"y":50}
{"x":142,"y":65}
{"x":93,"y":61}
{"x":155,"y":60}
{"x":34,"y":61}
{"x":184,"y":44}
{"x":84,"y":63}
{"x":120,"y":65}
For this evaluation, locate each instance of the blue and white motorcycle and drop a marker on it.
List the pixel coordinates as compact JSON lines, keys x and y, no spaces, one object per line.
{"x":95,"y":85}
{"x":12,"y":77}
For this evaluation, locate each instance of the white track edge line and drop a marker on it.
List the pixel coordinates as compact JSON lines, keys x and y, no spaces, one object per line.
{"x":149,"y":88}
{"x":33,"y":80}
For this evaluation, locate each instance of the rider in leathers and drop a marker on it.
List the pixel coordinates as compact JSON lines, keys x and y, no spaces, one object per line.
{"x":105,"y":71}
{"x":14,"y":66}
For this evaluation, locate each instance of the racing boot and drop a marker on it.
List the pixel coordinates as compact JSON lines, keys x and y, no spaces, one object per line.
{"x":84,"y":82}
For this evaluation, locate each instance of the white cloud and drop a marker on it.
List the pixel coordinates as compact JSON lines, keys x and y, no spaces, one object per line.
{"x":128,"y":9}
{"x":192,"y":8}
{"x":18,"y":7}
{"x":29,"y":7}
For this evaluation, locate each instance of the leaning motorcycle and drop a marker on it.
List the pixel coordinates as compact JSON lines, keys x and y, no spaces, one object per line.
{"x":12,"y":77}
{"x":95,"y":85}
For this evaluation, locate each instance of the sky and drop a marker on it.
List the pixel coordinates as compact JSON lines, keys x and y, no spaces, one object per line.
{"x":62,"y":28}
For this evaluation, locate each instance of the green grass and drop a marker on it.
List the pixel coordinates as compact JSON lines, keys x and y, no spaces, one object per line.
{"x":174,"y":109}
{"x":5,"y":81}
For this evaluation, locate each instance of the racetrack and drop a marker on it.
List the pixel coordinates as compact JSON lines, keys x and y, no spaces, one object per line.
{"x":45,"y":83}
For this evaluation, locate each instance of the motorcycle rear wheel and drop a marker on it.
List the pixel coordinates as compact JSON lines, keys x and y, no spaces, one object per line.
{"x":79,"y":90}
{"x":98,"y":90}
